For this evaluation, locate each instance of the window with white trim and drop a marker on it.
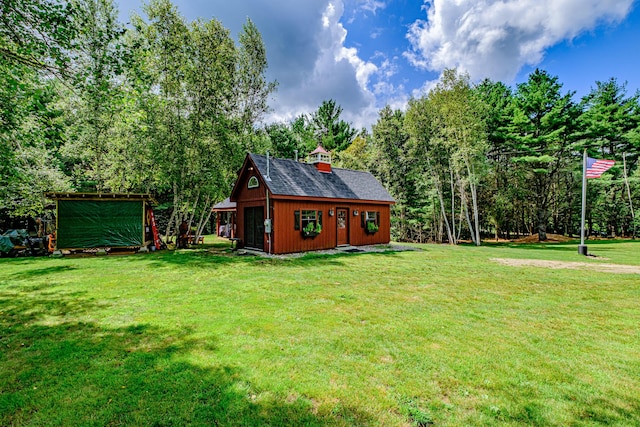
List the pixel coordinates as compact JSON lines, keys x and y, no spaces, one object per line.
{"x":371,"y":216}
{"x":302,"y":219}
{"x":370,"y":221}
{"x":253,"y":182}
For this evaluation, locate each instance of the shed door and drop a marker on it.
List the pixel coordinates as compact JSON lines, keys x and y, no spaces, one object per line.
{"x":343,"y":226}
{"x":254,"y":228}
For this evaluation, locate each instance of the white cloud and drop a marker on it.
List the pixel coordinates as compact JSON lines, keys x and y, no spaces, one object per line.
{"x":376,"y":32}
{"x":307,"y":53}
{"x":337,"y":72}
{"x":389,"y":68}
{"x":495,"y":38}
{"x":328,"y":15}
{"x":395,"y":96}
{"x":372,"y":5}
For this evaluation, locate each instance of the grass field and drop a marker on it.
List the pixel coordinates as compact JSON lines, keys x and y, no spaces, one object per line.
{"x":442,"y":336}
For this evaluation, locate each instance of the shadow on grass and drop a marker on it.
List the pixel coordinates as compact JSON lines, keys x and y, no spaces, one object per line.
{"x":60,"y":372}
{"x":31,"y":274}
{"x":203,"y":258}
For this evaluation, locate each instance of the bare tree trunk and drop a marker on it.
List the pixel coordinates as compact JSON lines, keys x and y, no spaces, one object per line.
{"x":453,"y":205}
{"x":441,"y":200}
{"x":465,"y":203}
{"x":460,"y":219}
{"x":466,"y":213}
{"x":206,"y":221}
{"x":193,"y":210}
{"x":174,"y":212}
{"x":434,"y":228}
{"x":439,"y":235}
{"x":474,"y":201}
{"x":444,"y":217}
{"x":476,"y":219}
{"x":201,"y":221}
{"x":168,"y":230}
{"x":543,"y":217}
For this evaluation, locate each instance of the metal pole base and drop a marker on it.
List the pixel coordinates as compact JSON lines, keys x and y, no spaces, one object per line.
{"x":582,"y":250}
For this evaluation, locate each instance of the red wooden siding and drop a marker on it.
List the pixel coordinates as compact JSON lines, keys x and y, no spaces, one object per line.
{"x":286,"y":239}
{"x":358,"y":235}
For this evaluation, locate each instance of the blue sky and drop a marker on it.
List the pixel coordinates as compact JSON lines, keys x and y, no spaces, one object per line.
{"x":366,"y":54}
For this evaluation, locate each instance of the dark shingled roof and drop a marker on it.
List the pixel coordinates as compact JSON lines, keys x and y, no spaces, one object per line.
{"x":291,"y":178}
{"x":225,"y":204}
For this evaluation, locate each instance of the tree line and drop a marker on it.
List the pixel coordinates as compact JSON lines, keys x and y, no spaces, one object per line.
{"x":169,"y":107}
{"x":471,"y":160}
{"x":164,"y":107}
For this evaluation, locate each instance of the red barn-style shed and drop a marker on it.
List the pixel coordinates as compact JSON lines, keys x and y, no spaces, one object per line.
{"x":286,"y":206}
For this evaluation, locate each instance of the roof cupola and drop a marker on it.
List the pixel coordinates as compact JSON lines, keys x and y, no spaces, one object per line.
{"x":321,"y":159}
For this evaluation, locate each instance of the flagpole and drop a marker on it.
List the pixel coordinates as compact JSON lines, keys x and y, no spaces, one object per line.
{"x":582,"y":249}
{"x":626,"y":181}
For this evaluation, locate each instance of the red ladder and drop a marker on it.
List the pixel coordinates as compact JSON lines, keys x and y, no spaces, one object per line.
{"x":156,"y":236}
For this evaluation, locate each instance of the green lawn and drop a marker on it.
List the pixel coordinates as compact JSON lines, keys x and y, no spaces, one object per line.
{"x":440,"y":336}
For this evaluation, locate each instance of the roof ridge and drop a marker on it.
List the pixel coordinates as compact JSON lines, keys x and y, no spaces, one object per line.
{"x":272,"y":158}
{"x":295,"y":178}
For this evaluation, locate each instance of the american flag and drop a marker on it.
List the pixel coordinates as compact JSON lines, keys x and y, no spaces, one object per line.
{"x":596,"y":167}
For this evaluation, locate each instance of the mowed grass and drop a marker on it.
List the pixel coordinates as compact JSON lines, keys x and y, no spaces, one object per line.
{"x":441,"y":336}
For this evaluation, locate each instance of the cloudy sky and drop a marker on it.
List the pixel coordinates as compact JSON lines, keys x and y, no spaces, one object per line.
{"x":366,"y":54}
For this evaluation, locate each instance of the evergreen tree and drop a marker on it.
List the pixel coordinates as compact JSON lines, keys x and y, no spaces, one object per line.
{"x":542,"y":130}
{"x":330,"y":130}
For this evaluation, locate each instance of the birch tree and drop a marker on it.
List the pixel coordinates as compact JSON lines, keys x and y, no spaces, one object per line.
{"x":459,"y":125}
{"x":430,"y":151}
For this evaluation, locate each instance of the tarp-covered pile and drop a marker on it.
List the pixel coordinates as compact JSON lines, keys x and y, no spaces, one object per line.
{"x":11,"y":239}
{"x":100,"y":223}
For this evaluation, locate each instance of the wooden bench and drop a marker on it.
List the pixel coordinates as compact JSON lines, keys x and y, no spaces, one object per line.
{"x":194,"y":241}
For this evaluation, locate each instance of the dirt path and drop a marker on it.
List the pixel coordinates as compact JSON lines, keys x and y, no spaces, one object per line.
{"x":603,"y":268}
